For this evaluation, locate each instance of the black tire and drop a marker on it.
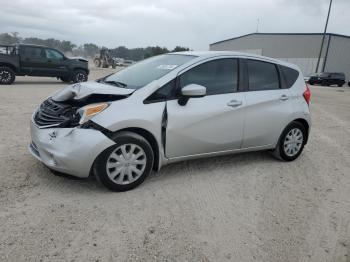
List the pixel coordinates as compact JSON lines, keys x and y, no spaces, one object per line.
{"x":65,"y":79}
{"x":280,"y":151}
{"x":311,"y":83}
{"x":7,"y":75}
{"x":79,"y":76}
{"x":340,"y":85}
{"x":97,"y":62}
{"x":123,"y":138}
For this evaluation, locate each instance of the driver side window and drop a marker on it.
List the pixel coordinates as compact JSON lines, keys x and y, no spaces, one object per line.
{"x":218,"y":76}
{"x":53,"y":55}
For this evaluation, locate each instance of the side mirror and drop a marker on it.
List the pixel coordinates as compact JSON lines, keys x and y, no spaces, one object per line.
{"x":193,"y":90}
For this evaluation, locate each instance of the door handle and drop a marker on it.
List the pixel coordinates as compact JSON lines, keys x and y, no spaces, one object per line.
{"x":234,"y":103}
{"x":284,"y":97}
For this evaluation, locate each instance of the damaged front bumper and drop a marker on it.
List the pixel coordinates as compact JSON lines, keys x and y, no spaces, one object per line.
{"x":68,"y":150}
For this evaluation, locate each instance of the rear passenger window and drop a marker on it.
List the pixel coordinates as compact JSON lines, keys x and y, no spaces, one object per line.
{"x":290,"y":75}
{"x":33,"y":52}
{"x":262,"y":76}
{"x":218,"y":76}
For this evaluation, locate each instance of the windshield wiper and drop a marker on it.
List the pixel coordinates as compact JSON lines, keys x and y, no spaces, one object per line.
{"x":116,"y":83}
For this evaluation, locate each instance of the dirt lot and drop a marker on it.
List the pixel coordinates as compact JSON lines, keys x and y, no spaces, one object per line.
{"x":247,"y":207}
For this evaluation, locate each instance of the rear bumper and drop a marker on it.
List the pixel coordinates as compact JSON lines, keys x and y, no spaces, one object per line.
{"x":68,"y":150}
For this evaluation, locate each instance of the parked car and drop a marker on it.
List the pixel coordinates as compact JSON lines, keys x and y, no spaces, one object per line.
{"x":34,"y":60}
{"x":328,"y":79}
{"x":170,"y":108}
{"x":307,"y":77}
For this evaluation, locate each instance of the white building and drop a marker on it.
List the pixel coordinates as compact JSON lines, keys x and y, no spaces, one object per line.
{"x":301,"y":49}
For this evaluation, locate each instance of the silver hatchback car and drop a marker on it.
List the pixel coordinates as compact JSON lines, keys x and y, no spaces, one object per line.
{"x":170,"y":108}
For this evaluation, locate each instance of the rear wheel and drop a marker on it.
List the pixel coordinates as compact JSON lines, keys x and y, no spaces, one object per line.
{"x":7,"y":76}
{"x":126,"y":164}
{"x":340,"y":84}
{"x":97,"y":62}
{"x":291,"y":142}
{"x":79,"y":76}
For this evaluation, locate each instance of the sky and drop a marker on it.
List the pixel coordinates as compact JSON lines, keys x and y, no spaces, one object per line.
{"x":191,"y":23}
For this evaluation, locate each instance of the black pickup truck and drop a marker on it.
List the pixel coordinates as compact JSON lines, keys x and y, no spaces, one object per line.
{"x":34,"y":60}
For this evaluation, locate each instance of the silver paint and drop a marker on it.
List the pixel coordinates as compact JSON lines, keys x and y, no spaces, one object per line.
{"x":205,"y":126}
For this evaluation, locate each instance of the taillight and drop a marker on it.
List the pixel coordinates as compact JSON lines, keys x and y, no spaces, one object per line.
{"x":307,"y":94}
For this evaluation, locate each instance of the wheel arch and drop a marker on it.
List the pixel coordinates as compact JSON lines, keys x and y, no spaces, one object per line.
{"x":150,"y":138}
{"x":305,"y":124}
{"x":9,"y":66}
{"x":80,"y":68}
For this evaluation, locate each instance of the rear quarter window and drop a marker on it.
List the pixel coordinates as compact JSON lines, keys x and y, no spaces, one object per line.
{"x":262,"y":76}
{"x":290,"y":75}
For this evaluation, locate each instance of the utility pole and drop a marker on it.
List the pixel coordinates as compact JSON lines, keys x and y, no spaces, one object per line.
{"x":257,"y":25}
{"x":324,"y":35}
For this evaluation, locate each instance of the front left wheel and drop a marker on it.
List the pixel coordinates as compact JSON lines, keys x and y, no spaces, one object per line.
{"x":79,"y":76}
{"x":126,"y":164}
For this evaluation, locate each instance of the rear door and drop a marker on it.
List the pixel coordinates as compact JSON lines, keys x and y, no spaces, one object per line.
{"x":33,"y":60}
{"x":56,"y":63}
{"x":213,"y":123}
{"x":268,"y":104}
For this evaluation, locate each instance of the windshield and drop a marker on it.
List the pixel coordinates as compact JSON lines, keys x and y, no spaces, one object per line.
{"x":146,"y":71}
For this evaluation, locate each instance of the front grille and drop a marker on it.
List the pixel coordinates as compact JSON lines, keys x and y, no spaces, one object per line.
{"x":54,"y":114}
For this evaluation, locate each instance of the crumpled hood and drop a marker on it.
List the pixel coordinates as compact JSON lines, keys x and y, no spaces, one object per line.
{"x":81,"y":90}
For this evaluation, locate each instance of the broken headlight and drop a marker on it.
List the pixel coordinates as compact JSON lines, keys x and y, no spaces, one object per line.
{"x":89,"y":111}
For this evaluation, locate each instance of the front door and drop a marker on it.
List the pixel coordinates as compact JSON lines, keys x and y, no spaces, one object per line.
{"x":213,"y":123}
{"x":56,"y":63}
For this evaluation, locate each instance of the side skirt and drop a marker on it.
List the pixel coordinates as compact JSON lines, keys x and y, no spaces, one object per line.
{"x":220,"y":153}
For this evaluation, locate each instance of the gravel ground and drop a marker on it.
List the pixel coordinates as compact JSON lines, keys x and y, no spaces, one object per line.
{"x":247,"y":207}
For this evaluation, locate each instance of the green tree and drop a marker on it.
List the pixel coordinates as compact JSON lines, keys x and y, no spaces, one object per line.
{"x":90,"y":50}
{"x":180,"y":49}
{"x":9,"y":39}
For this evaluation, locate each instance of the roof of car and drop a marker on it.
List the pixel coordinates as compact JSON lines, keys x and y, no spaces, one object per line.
{"x":221,"y":53}
{"x":209,"y":54}
{"x":33,"y":45}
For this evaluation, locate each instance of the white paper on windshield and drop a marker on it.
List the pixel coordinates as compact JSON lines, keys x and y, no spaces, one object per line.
{"x":166,"y":67}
